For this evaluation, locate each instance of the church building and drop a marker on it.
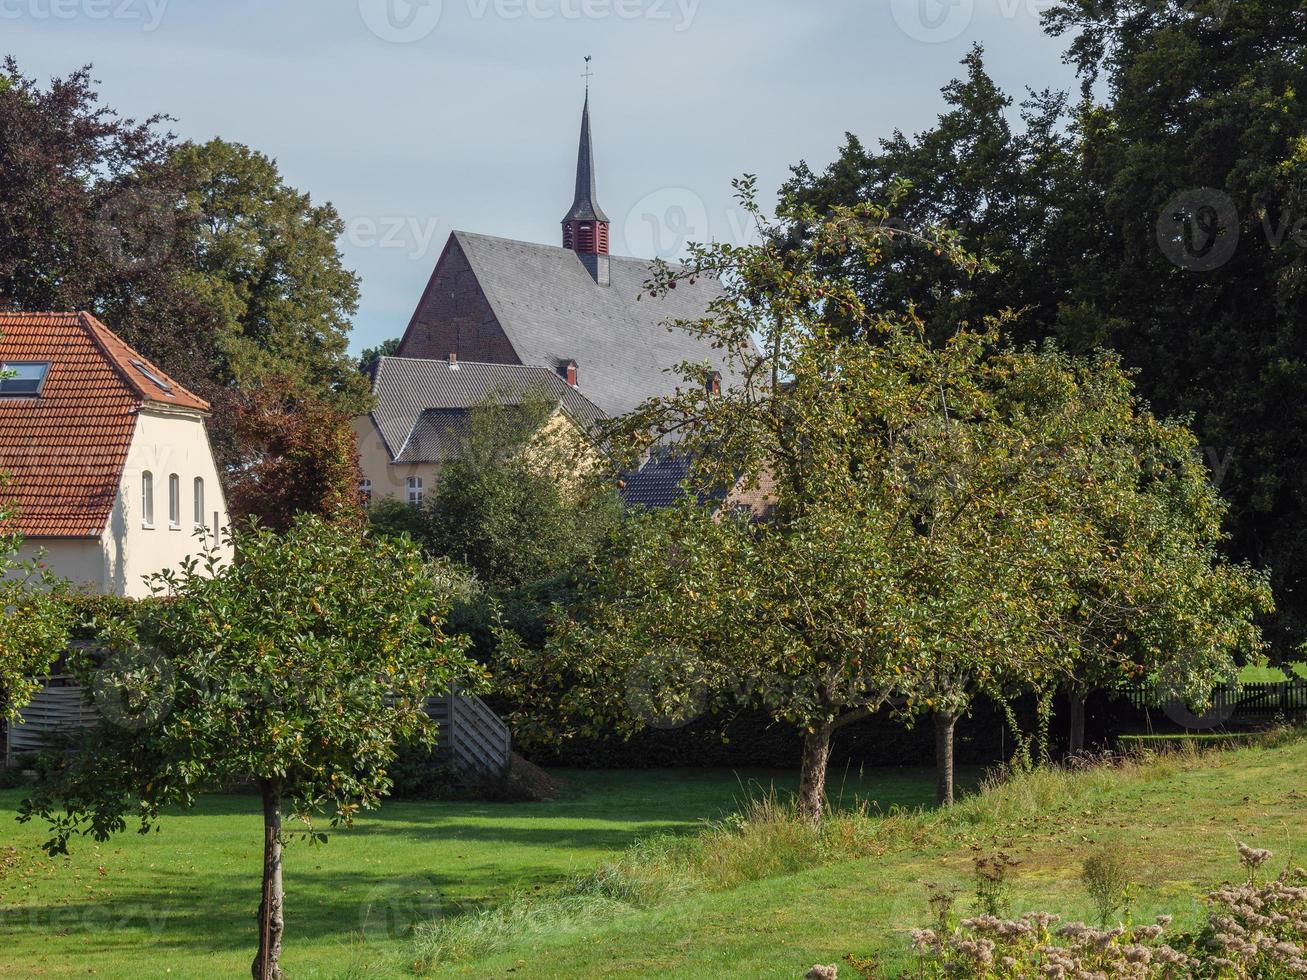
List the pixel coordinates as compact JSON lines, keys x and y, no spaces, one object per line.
{"x":573,"y":311}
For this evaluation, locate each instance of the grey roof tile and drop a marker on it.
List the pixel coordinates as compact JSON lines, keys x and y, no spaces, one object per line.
{"x":661,"y":481}
{"x":418,"y":403}
{"x":552,"y":310}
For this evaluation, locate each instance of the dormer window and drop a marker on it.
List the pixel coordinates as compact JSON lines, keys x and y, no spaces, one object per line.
{"x":23,"y":379}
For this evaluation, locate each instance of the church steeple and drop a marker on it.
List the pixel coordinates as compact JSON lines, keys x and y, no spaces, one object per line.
{"x":585,"y":228}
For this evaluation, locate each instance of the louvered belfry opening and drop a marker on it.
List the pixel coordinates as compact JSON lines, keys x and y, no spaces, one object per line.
{"x":586,"y":237}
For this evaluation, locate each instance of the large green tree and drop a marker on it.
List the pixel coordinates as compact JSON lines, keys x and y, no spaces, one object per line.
{"x":201,"y":256}
{"x":264,"y":256}
{"x":298,"y":668}
{"x":1009,"y":183}
{"x":1159,"y":215}
{"x":1199,"y":154}
{"x":914,"y":543}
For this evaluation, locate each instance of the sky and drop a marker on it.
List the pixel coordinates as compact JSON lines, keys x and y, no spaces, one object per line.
{"x":418,"y":118}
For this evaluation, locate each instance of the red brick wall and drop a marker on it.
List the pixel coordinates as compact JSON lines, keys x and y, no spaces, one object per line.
{"x":455,"y":317}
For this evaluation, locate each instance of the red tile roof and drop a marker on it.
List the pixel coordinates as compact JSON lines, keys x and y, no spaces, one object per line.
{"x":65,"y":450}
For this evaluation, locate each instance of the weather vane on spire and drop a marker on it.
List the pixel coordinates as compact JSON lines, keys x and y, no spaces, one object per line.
{"x":588,"y":73}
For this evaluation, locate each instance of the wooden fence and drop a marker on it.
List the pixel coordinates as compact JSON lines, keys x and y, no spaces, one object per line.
{"x":472,"y":736}
{"x":57,"y":709}
{"x":1240,"y":703}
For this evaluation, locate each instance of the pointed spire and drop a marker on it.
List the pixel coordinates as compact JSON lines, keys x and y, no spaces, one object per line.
{"x":586,"y":227}
{"x":586,"y":207}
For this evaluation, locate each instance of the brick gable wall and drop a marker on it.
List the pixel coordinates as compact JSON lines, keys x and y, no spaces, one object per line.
{"x":455,"y":317}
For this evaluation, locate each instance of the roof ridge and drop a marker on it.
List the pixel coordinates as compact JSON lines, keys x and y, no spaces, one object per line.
{"x":27,"y":314}
{"x":441,"y":360}
{"x":94,"y":327}
{"x":552,"y":248}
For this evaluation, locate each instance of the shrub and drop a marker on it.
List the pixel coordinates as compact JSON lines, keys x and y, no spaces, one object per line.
{"x":1033,"y":946}
{"x":1252,"y":930}
{"x":993,"y":889}
{"x":1106,"y":876}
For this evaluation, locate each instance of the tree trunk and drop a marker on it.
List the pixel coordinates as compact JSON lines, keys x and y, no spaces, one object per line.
{"x":1076,"y":744}
{"x":945,"y":722}
{"x":812,"y":776}
{"x":271,"y":921}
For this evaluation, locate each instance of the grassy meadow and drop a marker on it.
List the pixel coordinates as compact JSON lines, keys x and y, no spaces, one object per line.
{"x":181,"y":902}
{"x":622,"y":877}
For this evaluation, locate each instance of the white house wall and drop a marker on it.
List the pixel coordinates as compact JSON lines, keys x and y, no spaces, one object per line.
{"x":80,"y":560}
{"x":163,"y":444}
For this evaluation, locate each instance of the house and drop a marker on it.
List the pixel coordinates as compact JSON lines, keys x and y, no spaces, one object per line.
{"x":508,"y":316}
{"x":108,"y":458}
{"x":422,"y":415}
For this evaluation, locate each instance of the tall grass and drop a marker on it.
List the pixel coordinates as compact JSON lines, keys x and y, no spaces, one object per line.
{"x":767,"y":839}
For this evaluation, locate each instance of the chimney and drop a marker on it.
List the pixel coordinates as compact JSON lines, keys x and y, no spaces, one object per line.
{"x":714,"y":383}
{"x":453,"y":361}
{"x":568,"y":370}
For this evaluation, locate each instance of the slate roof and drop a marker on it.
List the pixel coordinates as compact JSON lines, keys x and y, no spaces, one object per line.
{"x":438,"y":436}
{"x":660,"y":482}
{"x":586,"y":206}
{"x":65,"y":449}
{"x":553,"y":311}
{"x":422,"y":406}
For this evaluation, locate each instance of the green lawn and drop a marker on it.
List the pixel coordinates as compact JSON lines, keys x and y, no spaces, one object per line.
{"x":1272,"y":675}
{"x":1177,"y":820}
{"x":180,"y":903}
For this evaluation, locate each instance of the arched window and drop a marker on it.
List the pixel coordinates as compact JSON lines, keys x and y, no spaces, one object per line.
{"x":147,"y":499}
{"x":174,"y":502}
{"x":199,"y":501}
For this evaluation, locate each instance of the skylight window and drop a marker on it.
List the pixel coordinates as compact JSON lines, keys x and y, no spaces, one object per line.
{"x":23,"y":379}
{"x":163,"y":385}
